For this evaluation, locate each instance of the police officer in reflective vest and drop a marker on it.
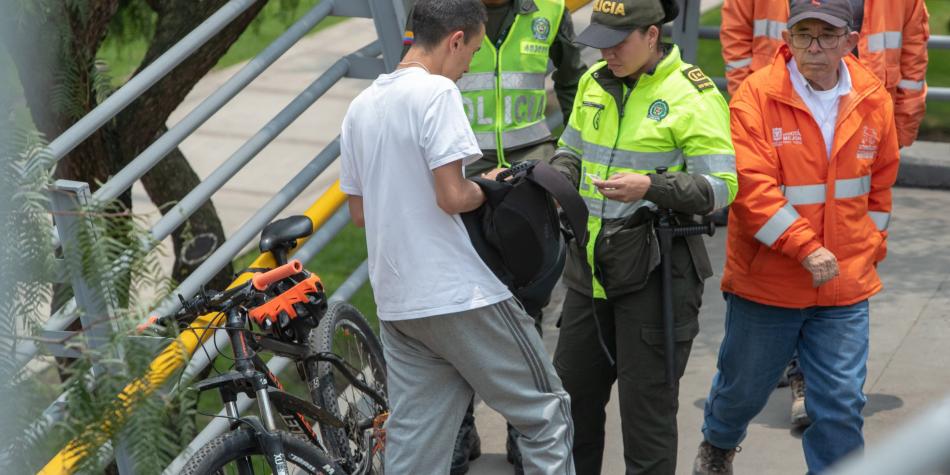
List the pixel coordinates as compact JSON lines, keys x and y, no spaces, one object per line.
{"x":504,"y":91}
{"x":639,"y":109}
{"x":505,"y":99}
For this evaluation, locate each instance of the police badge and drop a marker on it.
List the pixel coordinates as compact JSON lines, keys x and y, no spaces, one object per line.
{"x":658,"y":110}
{"x":541,"y":28}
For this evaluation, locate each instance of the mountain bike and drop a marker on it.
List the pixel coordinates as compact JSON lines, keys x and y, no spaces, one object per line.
{"x":284,"y":312}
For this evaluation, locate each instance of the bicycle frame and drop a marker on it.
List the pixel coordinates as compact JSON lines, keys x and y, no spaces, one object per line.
{"x":252,"y":377}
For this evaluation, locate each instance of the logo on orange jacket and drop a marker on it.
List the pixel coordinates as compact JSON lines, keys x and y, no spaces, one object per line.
{"x":870,"y":138}
{"x":780,"y":137}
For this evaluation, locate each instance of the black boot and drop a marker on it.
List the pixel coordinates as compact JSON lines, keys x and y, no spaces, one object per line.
{"x":468,"y":446}
{"x":514,"y":453}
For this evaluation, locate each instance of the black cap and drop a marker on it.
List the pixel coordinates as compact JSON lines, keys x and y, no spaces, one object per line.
{"x":837,"y":13}
{"x":613,"y":20}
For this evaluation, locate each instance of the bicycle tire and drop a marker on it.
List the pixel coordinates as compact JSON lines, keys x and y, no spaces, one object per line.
{"x":341,"y":321}
{"x":213,"y":457}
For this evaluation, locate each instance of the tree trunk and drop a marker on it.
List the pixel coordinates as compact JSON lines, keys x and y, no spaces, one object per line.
{"x":58,"y":61}
{"x":194,"y":241}
{"x":144,"y":120}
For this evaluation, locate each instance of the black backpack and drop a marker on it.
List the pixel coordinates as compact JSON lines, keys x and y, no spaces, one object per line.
{"x":518,"y":233}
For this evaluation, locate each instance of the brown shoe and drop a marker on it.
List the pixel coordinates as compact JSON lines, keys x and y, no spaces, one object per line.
{"x":713,"y":460}
{"x":799,"y":415}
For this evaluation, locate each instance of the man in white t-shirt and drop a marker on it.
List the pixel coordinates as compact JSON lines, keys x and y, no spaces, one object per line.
{"x":449,"y":326}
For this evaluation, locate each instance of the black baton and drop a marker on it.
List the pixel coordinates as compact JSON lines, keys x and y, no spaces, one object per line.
{"x":666,"y":231}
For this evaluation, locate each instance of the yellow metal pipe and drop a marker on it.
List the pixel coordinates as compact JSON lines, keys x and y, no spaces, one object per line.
{"x":574,"y":5}
{"x":177,"y":353}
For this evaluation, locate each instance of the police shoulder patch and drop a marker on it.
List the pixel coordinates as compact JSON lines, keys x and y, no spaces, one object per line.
{"x":699,"y":79}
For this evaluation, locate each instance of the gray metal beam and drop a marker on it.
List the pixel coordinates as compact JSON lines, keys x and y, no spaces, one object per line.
{"x":173,"y":137}
{"x":685,"y":29}
{"x":236,"y":162}
{"x":938,"y":94}
{"x":353,"y":8}
{"x":26,"y":350}
{"x":352,"y":284}
{"x":390,"y":23}
{"x":96,"y":301}
{"x":324,"y":235}
{"x":226,"y":253}
{"x":939,"y":42}
{"x":92,"y":121}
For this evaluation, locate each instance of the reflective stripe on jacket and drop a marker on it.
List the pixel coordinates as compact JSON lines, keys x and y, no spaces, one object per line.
{"x":503,"y":90}
{"x":793,"y":199}
{"x":673,"y":118}
{"x":893,"y":46}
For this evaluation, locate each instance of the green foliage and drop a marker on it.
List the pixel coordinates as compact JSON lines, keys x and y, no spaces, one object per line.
{"x":156,"y":426}
{"x":25,"y":259}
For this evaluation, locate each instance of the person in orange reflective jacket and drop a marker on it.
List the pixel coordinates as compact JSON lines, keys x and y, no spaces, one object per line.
{"x":817,"y":155}
{"x":892,"y":44}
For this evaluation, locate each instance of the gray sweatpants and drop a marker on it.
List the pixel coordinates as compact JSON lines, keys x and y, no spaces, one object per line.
{"x":433,"y":366}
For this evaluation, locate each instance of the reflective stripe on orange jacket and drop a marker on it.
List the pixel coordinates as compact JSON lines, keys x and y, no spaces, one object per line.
{"x":893,"y":45}
{"x":793,"y":200}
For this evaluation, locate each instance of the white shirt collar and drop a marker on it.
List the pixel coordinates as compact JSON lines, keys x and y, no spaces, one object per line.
{"x":843,"y":87}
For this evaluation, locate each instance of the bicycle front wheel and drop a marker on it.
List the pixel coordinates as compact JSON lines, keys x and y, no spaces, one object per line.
{"x":239,"y":453}
{"x":344,"y":332}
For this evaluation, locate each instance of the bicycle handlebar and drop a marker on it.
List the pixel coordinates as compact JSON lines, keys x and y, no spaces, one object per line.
{"x":262,"y":281}
{"x":203,"y":303}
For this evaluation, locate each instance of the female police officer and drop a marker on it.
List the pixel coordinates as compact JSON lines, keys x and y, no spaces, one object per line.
{"x":640,"y":109}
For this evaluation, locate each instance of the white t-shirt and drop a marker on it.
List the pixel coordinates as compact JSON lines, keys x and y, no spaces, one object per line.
{"x":421,"y":260}
{"x":822,"y":104}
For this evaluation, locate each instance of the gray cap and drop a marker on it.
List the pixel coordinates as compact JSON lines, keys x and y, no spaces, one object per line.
{"x":837,"y":13}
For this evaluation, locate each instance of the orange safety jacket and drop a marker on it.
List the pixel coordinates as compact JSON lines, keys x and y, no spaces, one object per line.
{"x":793,"y":199}
{"x":893,"y":45}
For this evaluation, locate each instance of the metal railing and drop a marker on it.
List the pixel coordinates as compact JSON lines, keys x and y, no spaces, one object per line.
{"x":327,"y":213}
{"x":328,"y":218}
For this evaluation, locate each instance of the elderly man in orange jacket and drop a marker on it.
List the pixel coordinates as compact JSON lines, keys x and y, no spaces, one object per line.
{"x":817,"y":154}
{"x":892,"y":44}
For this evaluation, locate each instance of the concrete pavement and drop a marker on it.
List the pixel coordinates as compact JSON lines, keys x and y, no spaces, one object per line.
{"x":910,"y":323}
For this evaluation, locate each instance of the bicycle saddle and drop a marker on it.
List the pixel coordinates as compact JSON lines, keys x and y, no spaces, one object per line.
{"x":282,"y":233}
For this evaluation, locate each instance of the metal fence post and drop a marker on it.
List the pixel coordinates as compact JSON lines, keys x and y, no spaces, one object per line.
{"x":96,"y":303}
{"x":389,"y":16}
{"x":686,"y":29}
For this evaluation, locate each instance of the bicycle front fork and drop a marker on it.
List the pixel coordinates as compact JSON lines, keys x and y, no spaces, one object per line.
{"x":266,"y":430}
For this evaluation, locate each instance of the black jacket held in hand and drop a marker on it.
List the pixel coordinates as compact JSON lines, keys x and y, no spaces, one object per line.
{"x":517,"y":231}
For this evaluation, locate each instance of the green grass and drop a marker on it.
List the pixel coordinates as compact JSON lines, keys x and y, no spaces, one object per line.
{"x":124,"y":56}
{"x":936,"y":124}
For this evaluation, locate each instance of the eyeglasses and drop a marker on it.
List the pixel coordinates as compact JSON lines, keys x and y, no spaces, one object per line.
{"x":804,"y":40}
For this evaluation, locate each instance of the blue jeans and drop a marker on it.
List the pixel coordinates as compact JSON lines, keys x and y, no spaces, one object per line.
{"x":832,"y":345}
